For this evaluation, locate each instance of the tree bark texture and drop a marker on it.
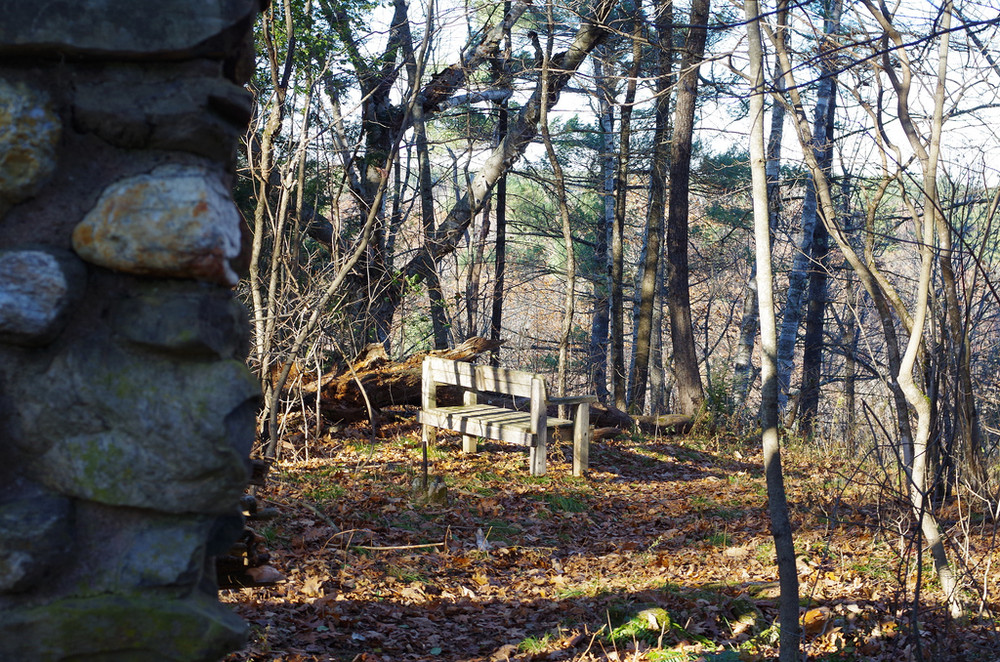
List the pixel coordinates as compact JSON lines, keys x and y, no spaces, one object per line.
{"x":812,"y":341}
{"x":619,"y":377}
{"x":599,"y":327}
{"x":799,"y":277}
{"x":685,"y":357}
{"x":918,"y":400}
{"x":439,"y":321}
{"x":777,"y":503}
{"x":646,"y":283}
{"x":500,"y":249}
{"x":743,"y":370}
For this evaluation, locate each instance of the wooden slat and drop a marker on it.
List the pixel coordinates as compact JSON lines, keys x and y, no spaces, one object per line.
{"x":480,"y":378}
{"x":581,"y":439}
{"x":451,"y":372}
{"x":469,"y":398}
{"x":487,"y":421}
{"x":500,"y":380}
{"x":475,"y":410}
{"x":428,"y":389}
{"x":539,"y":420}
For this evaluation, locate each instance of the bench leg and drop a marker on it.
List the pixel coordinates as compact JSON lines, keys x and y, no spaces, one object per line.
{"x":468,"y":441}
{"x":581,"y":439}
{"x":536,"y":456}
{"x":428,"y":437}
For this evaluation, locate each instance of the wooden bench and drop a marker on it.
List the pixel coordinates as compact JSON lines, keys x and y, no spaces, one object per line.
{"x":474,"y":419}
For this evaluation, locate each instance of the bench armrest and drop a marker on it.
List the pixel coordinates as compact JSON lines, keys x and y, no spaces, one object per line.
{"x":573,"y":400}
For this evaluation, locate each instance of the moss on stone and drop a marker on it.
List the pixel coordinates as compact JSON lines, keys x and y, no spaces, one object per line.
{"x":112,"y":628}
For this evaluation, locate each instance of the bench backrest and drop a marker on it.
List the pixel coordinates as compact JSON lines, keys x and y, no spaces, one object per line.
{"x":481,"y":378}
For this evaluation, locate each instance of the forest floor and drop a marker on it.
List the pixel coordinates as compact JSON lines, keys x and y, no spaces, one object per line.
{"x":663,"y":552}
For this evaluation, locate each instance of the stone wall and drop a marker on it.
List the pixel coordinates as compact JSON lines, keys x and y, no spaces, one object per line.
{"x":126,"y":411}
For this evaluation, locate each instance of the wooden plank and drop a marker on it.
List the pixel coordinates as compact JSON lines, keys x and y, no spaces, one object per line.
{"x":500,"y":380}
{"x":479,"y":378}
{"x":500,"y":424}
{"x":581,"y":439}
{"x":464,"y":411}
{"x":428,"y":389}
{"x":451,"y":372}
{"x":539,"y":424}
{"x":468,"y":440}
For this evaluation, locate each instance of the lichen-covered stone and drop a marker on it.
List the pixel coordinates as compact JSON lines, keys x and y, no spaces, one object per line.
{"x":163,"y":555}
{"x":163,"y":108}
{"x":177,"y":221}
{"x":35,"y":539}
{"x":205,"y":323}
{"x":29,"y":134}
{"x":120,"y":549}
{"x":124,"y":28}
{"x":37,"y":290}
{"x":139,"y":429}
{"x":122,"y":628}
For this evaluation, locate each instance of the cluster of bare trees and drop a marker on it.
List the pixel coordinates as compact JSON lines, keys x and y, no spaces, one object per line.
{"x":394,"y":197}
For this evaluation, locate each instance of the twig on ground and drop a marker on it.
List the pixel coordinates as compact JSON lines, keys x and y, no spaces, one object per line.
{"x":392,"y":547}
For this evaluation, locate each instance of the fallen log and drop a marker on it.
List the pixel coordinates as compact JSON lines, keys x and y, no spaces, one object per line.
{"x":605,"y":433}
{"x":609,"y":416}
{"x":386,"y":383}
{"x":666,"y":423}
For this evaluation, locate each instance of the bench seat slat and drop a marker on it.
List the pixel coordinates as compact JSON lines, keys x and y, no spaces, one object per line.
{"x":487,"y":421}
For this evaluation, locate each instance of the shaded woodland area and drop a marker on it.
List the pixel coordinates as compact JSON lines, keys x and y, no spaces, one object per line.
{"x":765,"y":227}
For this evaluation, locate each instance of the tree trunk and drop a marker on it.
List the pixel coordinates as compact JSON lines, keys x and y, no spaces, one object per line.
{"x":657,"y":355}
{"x":781,"y":527}
{"x":500,"y":260}
{"x":812,"y":355}
{"x":619,"y":378}
{"x":743,"y":372}
{"x":439,"y":320}
{"x":559,"y":182}
{"x":918,"y":400}
{"x":654,"y":213}
{"x":598,"y":355}
{"x":799,"y":276}
{"x":500,"y":249}
{"x":477,"y":252}
{"x":849,"y":338}
{"x":873,"y":283}
{"x":812,"y":341}
{"x":686,"y":374}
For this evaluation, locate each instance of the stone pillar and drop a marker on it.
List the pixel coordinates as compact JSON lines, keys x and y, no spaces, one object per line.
{"x":126,"y":411}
